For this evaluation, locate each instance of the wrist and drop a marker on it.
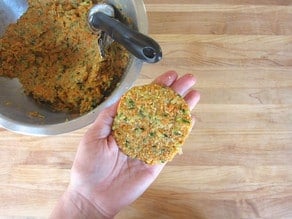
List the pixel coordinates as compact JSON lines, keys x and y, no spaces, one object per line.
{"x":74,"y":205}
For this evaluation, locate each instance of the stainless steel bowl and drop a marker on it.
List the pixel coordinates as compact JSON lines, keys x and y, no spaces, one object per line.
{"x":15,"y":106}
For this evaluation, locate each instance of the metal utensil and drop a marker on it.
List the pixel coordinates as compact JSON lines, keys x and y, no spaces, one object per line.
{"x":101,"y":19}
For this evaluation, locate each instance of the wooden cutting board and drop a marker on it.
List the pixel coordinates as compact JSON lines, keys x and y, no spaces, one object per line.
{"x":237,"y":162}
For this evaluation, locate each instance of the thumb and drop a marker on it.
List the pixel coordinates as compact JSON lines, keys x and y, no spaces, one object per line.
{"x":102,"y":126}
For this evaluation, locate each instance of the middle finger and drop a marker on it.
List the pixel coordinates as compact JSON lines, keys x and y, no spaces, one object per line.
{"x":183,"y":84}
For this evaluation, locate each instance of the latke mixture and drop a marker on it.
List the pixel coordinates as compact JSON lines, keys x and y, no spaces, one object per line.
{"x":152,"y":123}
{"x":55,"y":56}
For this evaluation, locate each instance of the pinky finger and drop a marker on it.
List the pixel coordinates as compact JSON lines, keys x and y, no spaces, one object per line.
{"x":192,"y":98}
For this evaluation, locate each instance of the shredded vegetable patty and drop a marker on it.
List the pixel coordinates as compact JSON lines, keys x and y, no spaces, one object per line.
{"x":152,"y":123}
{"x":53,"y":53}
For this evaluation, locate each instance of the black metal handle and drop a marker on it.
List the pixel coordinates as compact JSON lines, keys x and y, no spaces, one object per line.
{"x":141,"y":46}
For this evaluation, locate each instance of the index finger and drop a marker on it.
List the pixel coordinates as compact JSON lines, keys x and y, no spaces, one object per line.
{"x":166,"y":79}
{"x":180,"y":85}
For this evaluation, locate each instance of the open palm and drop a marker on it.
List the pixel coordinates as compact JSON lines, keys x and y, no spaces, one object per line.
{"x":105,"y":176}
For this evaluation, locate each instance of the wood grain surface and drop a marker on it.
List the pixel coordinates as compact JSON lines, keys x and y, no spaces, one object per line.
{"x":237,"y":162}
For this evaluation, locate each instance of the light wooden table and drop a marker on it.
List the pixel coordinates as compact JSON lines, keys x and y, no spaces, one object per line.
{"x":237,"y":162}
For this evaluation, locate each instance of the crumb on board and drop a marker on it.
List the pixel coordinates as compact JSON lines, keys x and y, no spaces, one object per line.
{"x":8,"y":103}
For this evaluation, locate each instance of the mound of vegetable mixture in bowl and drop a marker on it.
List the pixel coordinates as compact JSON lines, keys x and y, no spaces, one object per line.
{"x":55,"y":56}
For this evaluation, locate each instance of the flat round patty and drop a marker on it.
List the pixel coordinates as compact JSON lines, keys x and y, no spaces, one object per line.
{"x":152,"y":123}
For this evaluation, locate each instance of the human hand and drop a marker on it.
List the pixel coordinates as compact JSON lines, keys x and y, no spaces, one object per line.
{"x":102,"y":175}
